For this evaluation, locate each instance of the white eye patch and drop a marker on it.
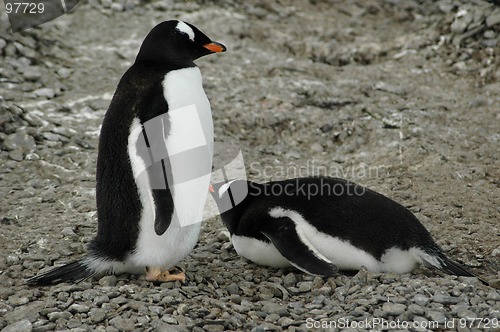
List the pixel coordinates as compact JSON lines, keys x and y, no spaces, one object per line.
{"x":225,"y":188}
{"x":184,"y":28}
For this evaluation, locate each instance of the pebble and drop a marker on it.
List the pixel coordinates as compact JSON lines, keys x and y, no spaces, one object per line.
{"x":3,"y":43}
{"x":316,"y":147}
{"x":122,"y":324}
{"x":421,"y":300}
{"x":20,"y":326}
{"x":109,"y":281}
{"x":48,"y":93}
{"x":32,"y":73}
{"x":436,"y":316}
{"x":393,"y":309}
{"x":20,"y":140}
{"x":64,"y":72}
{"x":493,"y":19}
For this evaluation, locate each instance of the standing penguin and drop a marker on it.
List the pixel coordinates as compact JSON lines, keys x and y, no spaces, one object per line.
{"x":320,"y":225}
{"x":154,"y":162}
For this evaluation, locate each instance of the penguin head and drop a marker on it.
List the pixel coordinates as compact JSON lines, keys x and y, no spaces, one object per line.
{"x":229,"y":194}
{"x":176,"y":42}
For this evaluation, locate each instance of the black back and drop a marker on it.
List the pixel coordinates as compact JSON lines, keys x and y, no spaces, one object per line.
{"x":368,"y":220}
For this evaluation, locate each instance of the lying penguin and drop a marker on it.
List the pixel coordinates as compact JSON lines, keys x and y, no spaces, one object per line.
{"x":159,"y":107}
{"x":320,"y":225}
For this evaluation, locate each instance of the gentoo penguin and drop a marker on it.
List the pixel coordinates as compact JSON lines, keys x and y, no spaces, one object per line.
{"x":159,"y":111}
{"x":320,"y":225}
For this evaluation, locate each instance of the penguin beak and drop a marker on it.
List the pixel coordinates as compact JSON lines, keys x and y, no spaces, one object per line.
{"x":215,"y":47}
{"x":211,"y":188}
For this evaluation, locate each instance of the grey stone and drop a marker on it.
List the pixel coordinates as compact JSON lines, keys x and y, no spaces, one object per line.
{"x":97,"y":315}
{"x":493,"y":19}
{"x":32,"y":73}
{"x":421,"y":300}
{"x":110,"y":281}
{"x":461,"y":23}
{"x":390,"y":88}
{"x":64,"y":72}
{"x":122,"y":324}
{"x":393,"y":309}
{"x":20,"y":140}
{"x":56,"y":315}
{"x":233,"y":288}
{"x":29,"y":311}
{"x":3,"y":43}
{"x":316,"y":147}
{"x":493,"y":295}
{"x":19,"y":326}
{"x":290,"y":280}
{"x":436,"y":316}
{"x":18,"y":300}
{"x":16,"y":155}
{"x":444,"y":298}
{"x":274,"y":308}
{"x":305,"y":286}
{"x":48,"y":93}
{"x":78,"y":308}
{"x":68,"y":231}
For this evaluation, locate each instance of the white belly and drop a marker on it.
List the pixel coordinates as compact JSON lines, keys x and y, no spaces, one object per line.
{"x":259,"y":252}
{"x":190,"y":125}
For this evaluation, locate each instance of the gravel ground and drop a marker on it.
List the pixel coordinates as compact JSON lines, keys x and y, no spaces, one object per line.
{"x":399,"y":95}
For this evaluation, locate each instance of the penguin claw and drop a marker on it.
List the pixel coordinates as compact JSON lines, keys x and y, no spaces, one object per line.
{"x":157,"y":276}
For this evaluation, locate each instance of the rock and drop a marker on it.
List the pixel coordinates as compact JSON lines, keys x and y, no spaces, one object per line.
{"x":20,"y":140}
{"x":29,"y":311}
{"x":421,"y":300}
{"x":290,"y":280}
{"x":393,"y":309}
{"x":274,"y":308}
{"x":20,"y":326}
{"x":462,"y":20}
{"x":493,"y":295}
{"x":109,"y":281}
{"x":444,"y":298}
{"x":386,"y":87}
{"x":97,"y":315}
{"x":16,"y":155}
{"x":32,"y":73}
{"x":64,"y":72}
{"x":18,"y":301}
{"x":68,"y":231}
{"x":493,"y":19}
{"x":436,"y":316}
{"x":305,"y":286}
{"x":78,"y":308}
{"x":316,"y":147}
{"x":56,"y":315}
{"x":122,"y":324}
{"x":3,"y":43}
{"x":233,"y":288}
{"x":48,"y":93}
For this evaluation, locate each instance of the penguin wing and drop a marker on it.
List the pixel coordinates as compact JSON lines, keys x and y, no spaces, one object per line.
{"x":297,"y":249}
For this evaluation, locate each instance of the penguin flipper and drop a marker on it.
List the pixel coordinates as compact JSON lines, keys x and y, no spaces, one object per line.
{"x":297,"y":249}
{"x":163,"y":200}
{"x":72,"y":272}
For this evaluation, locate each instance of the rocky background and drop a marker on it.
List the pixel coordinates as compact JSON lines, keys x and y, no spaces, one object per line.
{"x":399,"y":95}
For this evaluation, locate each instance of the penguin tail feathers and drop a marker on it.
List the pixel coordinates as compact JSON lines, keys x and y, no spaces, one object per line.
{"x":435,"y":257}
{"x":72,"y":272}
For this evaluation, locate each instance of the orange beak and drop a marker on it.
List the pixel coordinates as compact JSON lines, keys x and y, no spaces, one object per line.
{"x":215,"y":47}
{"x":211,"y":188}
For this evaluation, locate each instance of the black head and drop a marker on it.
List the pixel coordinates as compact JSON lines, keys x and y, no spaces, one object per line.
{"x":176,"y":42}
{"x":228,"y":194}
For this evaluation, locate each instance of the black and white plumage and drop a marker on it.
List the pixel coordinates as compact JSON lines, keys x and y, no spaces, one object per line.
{"x":143,"y":225}
{"x":320,"y":225}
